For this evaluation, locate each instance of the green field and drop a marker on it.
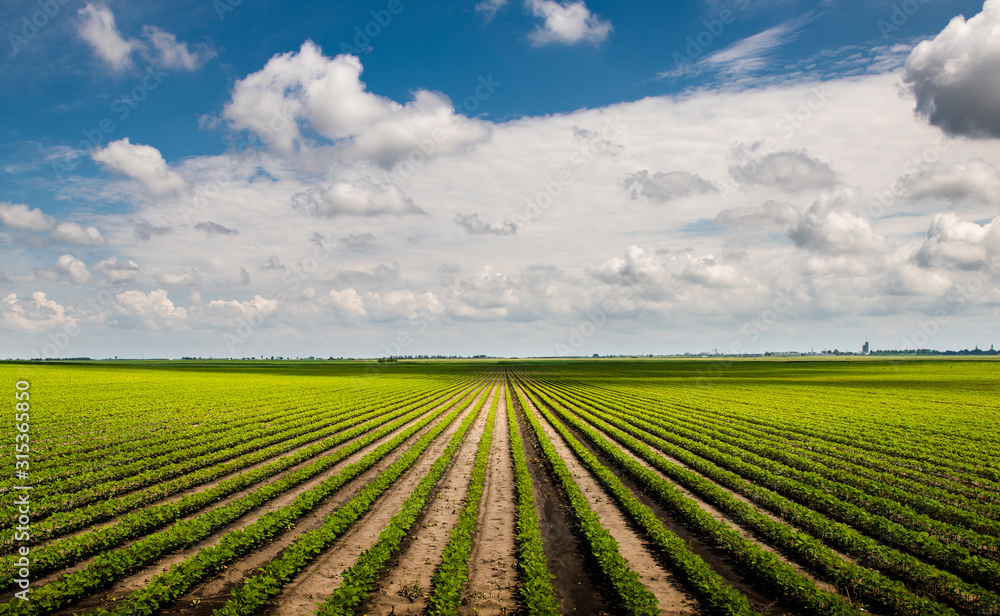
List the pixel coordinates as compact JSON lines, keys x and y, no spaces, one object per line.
{"x":713,"y":486}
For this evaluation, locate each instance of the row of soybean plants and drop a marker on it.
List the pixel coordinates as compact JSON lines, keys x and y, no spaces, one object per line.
{"x":647,"y":440}
{"x":243,"y":454}
{"x":690,"y":569}
{"x":967,"y":553}
{"x":256,"y":590}
{"x":975,"y":506}
{"x":960,"y":458}
{"x":68,"y":551}
{"x":961,"y":534}
{"x":113,"y":565}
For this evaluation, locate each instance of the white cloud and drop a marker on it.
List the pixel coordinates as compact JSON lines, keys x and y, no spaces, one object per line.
{"x":363,"y":197}
{"x":955,"y":244}
{"x":791,"y":171}
{"x":357,"y":241}
{"x":143,"y":163}
{"x":567,"y":23}
{"x":662,"y":187}
{"x":20,"y":216}
{"x":73,"y":269}
{"x":975,"y":180}
{"x":490,"y":7}
{"x":954,"y":76}
{"x":476,"y":226}
{"x":190,"y":279}
{"x":328,"y":94}
{"x":166,"y":52}
{"x":97,"y":28}
{"x":35,"y":315}
{"x":118,"y":271}
{"x":826,"y":228}
{"x":770,"y":214}
{"x":214,"y":228}
{"x":153,"y":310}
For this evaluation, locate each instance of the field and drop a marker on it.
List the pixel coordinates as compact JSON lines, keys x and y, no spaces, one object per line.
{"x":515,"y":487}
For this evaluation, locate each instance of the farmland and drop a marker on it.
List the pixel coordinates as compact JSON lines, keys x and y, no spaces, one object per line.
{"x":534,"y":487}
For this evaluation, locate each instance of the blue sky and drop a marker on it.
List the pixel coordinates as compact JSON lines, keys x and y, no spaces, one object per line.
{"x":698,"y":198}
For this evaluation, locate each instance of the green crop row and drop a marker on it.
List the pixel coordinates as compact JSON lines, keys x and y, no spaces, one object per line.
{"x":635,"y":598}
{"x":450,"y":578}
{"x":536,"y":583}
{"x":360,"y":578}
{"x":111,"y":566}
{"x":865,"y":584}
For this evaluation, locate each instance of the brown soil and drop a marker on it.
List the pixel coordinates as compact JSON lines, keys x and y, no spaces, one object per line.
{"x":214,"y":593}
{"x":323,"y":576}
{"x":579,"y":585}
{"x":673,"y":599}
{"x":492,"y":587}
{"x":406,"y":583}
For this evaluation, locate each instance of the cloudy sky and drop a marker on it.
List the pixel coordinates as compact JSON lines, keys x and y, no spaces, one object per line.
{"x":513,"y":177}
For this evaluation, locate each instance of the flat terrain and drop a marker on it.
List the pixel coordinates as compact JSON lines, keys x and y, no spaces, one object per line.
{"x":678,"y":487}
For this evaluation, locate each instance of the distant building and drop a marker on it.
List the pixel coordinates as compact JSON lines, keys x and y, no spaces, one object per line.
{"x":865,"y":350}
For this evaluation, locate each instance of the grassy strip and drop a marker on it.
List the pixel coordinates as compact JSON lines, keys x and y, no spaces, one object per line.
{"x":713,"y":592}
{"x":361,"y":577}
{"x":636,"y":598}
{"x":450,"y":579}
{"x":109,"y":567}
{"x":536,"y":585}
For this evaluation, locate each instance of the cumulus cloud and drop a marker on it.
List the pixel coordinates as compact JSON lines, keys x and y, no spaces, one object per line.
{"x":189,"y":279}
{"x":274,"y":263}
{"x":568,"y":23}
{"x":214,"y":228}
{"x":825,"y":228}
{"x":145,"y":230}
{"x":476,"y":226}
{"x":790,"y":171}
{"x":97,"y":28}
{"x":770,"y":214}
{"x":143,"y":163}
{"x":165,"y":51}
{"x":118,"y":271}
{"x":662,"y":187}
{"x":20,"y":216}
{"x":327,"y":93}
{"x":73,"y":269}
{"x":957,"y":244}
{"x":363,"y":197}
{"x":954,"y":76}
{"x":34,"y":315}
{"x":359,"y":241}
{"x":153,"y":310}
{"x":975,"y":180}
{"x":378,"y":276}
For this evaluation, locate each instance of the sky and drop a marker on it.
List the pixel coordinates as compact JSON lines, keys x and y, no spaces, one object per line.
{"x":243,"y":178}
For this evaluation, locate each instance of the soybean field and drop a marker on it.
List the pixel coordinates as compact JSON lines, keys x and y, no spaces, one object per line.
{"x":632,"y":486}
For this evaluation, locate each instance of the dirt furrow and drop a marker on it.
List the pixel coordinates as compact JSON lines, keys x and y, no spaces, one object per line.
{"x":323,"y":576}
{"x":673,"y":598}
{"x":139,"y":579}
{"x":492,"y":587}
{"x":404,"y":588}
